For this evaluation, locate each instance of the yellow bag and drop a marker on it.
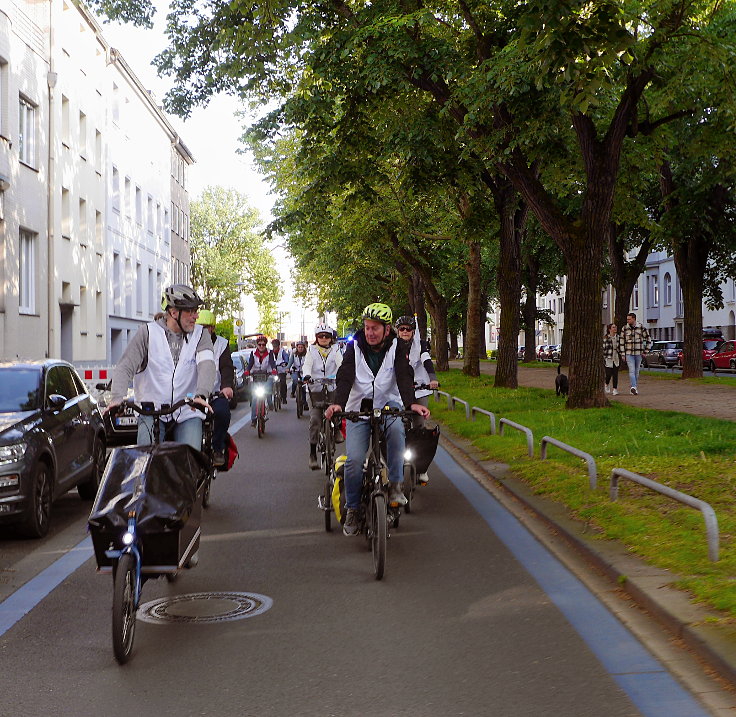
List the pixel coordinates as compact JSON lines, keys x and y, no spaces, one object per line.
{"x":338,"y":490}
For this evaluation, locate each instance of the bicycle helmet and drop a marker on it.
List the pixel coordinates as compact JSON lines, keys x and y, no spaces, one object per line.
{"x":406,"y":320}
{"x":206,"y":318}
{"x":261,"y":337}
{"x":323,"y":329}
{"x":378,"y":312}
{"x":180,"y":296}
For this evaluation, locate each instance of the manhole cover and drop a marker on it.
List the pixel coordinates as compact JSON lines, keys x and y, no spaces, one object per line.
{"x":204,"y":607}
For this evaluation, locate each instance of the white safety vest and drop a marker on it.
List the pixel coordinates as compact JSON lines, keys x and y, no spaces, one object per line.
{"x":261,"y":365}
{"x":298,"y":361}
{"x":162,"y":382}
{"x":281,"y":357}
{"x":318,"y":367}
{"x":219,"y":346}
{"x":381,"y":388}
{"x":417,"y":357}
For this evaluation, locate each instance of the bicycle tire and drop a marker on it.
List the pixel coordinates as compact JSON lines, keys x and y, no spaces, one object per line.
{"x":261,"y":419}
{"x":379,"y":534}
{"x":329,"y":453}
{"x":328,"y":505}
{"x":410,"y":478}
{"x":123,"y":608}
{"x":206,"y":493}
{"x":299,"y":407}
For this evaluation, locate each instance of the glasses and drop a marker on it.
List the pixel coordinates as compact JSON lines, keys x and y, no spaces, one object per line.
{"x":404,"y":328}
{"x":324,"y":336}
{"x":261,"y":343}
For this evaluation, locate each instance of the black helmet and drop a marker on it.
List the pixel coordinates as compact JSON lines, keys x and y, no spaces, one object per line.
{"x":180,"y":296}
{"x":406,"y":321}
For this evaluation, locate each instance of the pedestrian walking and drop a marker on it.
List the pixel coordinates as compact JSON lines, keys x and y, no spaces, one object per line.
{"x":636,"y":342}
{"x":613,"y":356}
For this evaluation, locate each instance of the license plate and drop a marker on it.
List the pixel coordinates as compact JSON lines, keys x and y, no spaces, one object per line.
{"x":126,"y":421}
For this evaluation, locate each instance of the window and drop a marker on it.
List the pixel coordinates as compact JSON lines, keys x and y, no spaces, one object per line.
{"x":83,"y":238}
{"x":98,"y":151}
{"x":635,"y":297}
{"x":138,"y":288}
{"x":27,"y":132}
{"x":126,"y":198}
{"x":115,"y":189}
{"x":82,"y":135}
{"x":59,"y":380}
{"x":65,"y":121}
{"x":3,"y":96}
{"x":138,"y":206}
{"x":99,"y":238}
{"x":655,"y":290}
{"x":66,"y":214}
{"x":27,"y":273}
{"x":151,"y":218}
{"x":667,"y":289}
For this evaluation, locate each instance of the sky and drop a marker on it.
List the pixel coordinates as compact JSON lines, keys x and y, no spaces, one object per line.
{"x":212,"y":134}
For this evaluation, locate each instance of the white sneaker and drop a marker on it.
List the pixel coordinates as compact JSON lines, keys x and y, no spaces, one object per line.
{"x":634,"y":392}
{"x":615,"y":392}
{"x":423,"y":478}
{"x":607,"y":389}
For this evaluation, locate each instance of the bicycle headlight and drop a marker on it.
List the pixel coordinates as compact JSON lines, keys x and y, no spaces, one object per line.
{"x":260,"y":391}
{"x":12,"y":454}
{"x":127,"y":538}
{"x":408,"y":454}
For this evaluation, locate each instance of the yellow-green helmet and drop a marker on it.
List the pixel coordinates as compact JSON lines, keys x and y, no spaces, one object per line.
{"x":206,"y":318}
{"x":378,"y":312}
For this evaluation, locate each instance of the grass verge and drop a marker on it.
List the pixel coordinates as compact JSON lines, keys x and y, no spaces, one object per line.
{"x":688,"y":453}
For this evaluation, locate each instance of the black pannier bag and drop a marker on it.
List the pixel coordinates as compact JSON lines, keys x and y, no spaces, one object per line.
{"x":423,"y":444}
{"x":158,"y":481}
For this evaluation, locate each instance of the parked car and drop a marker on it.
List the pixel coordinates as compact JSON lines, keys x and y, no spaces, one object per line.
{"x":541,"y":351}
{"x":242,"y":387}
{"x":710,"y":346}
{"x":121,"y":429}
{"x":724,"y":358}
{"x":52,"y":439}
{"x":557,"y":353}
{"x":662,"y":353}
{"x":520,"y":353}
{"x":549,"y":352}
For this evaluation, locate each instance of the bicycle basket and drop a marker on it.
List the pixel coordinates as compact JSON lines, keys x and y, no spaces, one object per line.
{"x":318,"y":397}
{"x":423,"y":444}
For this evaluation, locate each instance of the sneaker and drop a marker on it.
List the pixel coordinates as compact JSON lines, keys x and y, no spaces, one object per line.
{"x":396,"y":496}
{"x":351,"y":525}
{"x":607,"y":389}
{"x":615,"y":392}
{"x":252,"y":424}
{"x":193,"y":560}
{"x":219,"y":458}
{"x":313,"y":462}
{"x":634,"y":392}
{"x":423,"y":478}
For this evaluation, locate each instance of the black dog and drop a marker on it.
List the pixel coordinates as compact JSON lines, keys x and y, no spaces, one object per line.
{"x":562,"y":385}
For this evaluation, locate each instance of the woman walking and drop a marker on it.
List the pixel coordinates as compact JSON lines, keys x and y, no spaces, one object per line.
{"x":613,"y":356}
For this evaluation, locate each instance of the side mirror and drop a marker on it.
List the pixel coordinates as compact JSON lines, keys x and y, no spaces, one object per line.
{"x":56,"y":401}
{"x":104,"y":386}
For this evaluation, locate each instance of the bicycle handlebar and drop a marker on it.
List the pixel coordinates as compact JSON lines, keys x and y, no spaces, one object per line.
{"x":374,"y":413}
{"x":425,"y":385}
{"x":164,"y":410}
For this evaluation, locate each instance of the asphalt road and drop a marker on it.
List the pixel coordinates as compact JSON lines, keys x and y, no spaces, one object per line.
{"x":473,"y":616}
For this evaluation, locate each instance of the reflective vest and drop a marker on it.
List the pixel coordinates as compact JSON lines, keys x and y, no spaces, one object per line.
{"x":320,"y":367}
{"x":162,"y":382}
{"x":381,"y":388}
{"x":261,"y":365}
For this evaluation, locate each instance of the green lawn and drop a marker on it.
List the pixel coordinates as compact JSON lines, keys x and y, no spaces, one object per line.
{"x":691,"y":454}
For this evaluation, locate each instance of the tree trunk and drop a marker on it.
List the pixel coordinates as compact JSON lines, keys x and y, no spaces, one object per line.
{"x":625,"y":273}
{"x":471,"y":342}
{"x":691,"y":258}
{"x":483,"y":319}
{"x":454,"y":351}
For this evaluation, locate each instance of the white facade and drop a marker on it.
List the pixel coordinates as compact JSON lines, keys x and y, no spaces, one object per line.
{"x":85,"y":225}
{"x":24,"y":117}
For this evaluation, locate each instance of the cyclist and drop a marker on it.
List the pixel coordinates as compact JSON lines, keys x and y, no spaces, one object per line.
{"x":296,"y":363}
{"x":421,"y":363}
{"x":374,"y":373}
{"x":281,"y":359}
{"x":224,"y":385}
{"x":261,"y":362}
{"x":322,"y":362}
{"x":168,"y":359}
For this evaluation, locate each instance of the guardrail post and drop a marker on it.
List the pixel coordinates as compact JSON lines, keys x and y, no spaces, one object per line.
{"x":455,"y":400}
{"x":438,"y":393}
{"x":709,"y":515}
{"x":592,"y":468}
{"x":491,"y":416}
{"x":524,"y":429}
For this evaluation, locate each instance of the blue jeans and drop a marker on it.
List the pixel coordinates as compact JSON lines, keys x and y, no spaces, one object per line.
{"x":189,"y":432}
{"x":634,"y":364}
{"x":221,"y":409}
{"x":268,"y":383}
{"x":357,"y":443}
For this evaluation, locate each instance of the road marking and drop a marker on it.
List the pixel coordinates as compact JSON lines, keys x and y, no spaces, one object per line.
{"x":25,"y":598}
{"x":646,"y":682}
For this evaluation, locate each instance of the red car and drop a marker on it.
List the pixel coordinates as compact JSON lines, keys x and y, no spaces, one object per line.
{"x":710,"y":346}
{"x":724,"y":357}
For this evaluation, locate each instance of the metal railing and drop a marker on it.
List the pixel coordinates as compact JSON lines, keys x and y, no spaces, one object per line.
{"x":711,"y":522}
{"x":455,"y":400}
{"x":524,"y":429}
{"x":592,"y":468}
{"x":438,"y":393}
{"x":491,"y":416}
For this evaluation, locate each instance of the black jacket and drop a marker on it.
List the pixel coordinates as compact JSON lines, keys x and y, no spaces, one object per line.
{"x":402,"y":370}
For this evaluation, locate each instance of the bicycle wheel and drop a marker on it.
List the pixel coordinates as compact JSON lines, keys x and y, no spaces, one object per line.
{"x":261,"y":418}
{"x":328,"y":504}
{"x":321,"y":450}
{"x":410,"y":477}
{"x":123,"y":607}
{"x":329,"y":451}
{"x":207,"y":491}
{"x":379,"y":534}
{"x":298,"y":396}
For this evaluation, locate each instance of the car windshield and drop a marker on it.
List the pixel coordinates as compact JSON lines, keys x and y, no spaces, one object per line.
{"x":19,"y":390}
{"x":711,"y":344}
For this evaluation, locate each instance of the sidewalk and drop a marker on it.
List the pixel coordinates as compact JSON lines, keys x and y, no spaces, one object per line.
{"x":648,"y":586}
{"x":709,"y":400}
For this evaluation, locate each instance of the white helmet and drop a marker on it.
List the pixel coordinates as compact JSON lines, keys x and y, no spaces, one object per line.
{"x":323,"y":329}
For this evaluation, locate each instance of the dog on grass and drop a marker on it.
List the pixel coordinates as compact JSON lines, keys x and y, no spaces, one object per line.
{"x":562,"y":385}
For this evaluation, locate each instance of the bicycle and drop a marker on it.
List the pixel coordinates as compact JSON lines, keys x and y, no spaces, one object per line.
{"x":142,"y":538}
{"x":325,"y":440}
{"x":300,"y":395}
{"x":258,"y":394}
{"x":375,"y":515}
{"x":410,"y":472}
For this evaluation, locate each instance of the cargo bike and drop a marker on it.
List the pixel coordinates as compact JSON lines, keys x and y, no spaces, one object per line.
{"x":145,"y":522}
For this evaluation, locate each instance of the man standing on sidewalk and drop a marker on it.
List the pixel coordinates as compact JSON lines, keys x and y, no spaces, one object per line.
{"x":636,"y":342}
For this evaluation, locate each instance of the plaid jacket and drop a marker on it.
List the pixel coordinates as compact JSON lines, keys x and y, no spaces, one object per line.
{"x":613,"y":350}
{"x":636,"y":339}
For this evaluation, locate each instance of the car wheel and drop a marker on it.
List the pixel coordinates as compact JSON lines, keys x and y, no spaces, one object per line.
{"x":38,"y":516}
{"x":88,"y":489}
{"x":732,"y":365}
{"x":644,"y":363}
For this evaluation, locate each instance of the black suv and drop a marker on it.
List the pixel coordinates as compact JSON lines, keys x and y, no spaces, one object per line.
{"x":51,"y":440}
{"x":662,"y":353}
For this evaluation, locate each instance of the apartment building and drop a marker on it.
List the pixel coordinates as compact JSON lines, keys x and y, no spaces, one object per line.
{"x":87,"y":188}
